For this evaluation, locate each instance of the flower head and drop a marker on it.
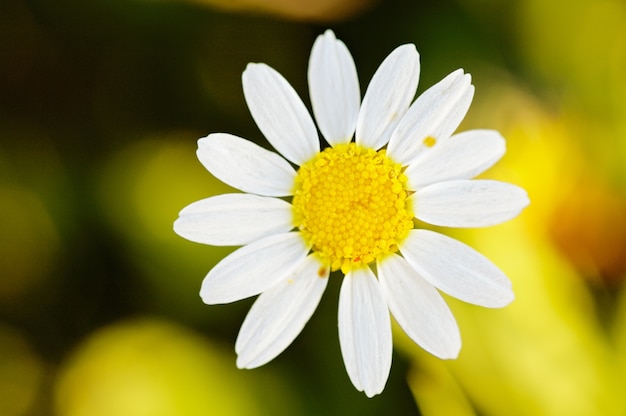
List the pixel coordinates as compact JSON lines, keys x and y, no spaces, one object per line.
{"x":352,"y":206}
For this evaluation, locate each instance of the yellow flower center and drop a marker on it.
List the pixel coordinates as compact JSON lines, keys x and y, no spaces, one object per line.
{"x":350,"y":204}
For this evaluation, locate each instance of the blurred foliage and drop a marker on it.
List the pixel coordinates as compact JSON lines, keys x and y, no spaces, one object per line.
{"x":101,"y":104}
{"x":148,"y":367}
{"x":21,"y":374}
{"x":310,"y":10}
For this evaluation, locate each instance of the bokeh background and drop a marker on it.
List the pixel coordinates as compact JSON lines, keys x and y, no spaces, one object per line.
{"x":101,"y":104}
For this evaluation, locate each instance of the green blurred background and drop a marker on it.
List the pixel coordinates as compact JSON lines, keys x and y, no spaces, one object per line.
{"x":101,"y":104}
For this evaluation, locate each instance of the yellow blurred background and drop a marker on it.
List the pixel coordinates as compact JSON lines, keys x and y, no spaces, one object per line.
{"x":101,"y":104}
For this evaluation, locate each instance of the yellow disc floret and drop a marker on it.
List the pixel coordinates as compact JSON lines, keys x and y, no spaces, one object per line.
{"x":350,"y":204}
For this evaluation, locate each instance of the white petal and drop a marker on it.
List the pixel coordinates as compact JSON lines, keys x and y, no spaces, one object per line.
{"x":280,"y":313}
{"x":388,"y":96}
{"x":334,"y":88}
{"x":463,"y":156}
{"x":246,"y":166}
{"x":254,"y":268}
{"x":279,"y":113}
{"x":419,"y":308}
{"x":233,"y":219}
{"x":364,"y":331}
{"x":436,"y":113}
{"x":456,"y":269}
{"x":469,"y":203}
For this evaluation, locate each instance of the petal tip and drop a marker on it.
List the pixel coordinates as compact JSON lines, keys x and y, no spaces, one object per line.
{"x":243,"y":363}
{"x":203,"y":142}
{"x":204,"y":139}
{"x":252,"y":65}
{"x":409,"y":49}
{"x":457,"y":73}
{"x":505,"y":299}
{"x":509,"y":298}
{"x":177,"y":225}
{"x":451,"y":354}
{"x":329,"y":34}
{"x":371,"y":393}
{"x":251,"y":69}
{"x":205,"y":298}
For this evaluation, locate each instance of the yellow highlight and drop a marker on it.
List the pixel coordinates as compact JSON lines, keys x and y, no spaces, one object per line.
{"x":350,"y":204}
{"x":429,"y":141}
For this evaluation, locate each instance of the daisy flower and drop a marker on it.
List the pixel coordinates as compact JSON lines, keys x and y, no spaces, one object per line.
{"x":352,"y":207}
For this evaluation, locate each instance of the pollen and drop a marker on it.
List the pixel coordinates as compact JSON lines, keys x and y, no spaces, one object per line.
{"x":429,"y":141}
{"x":350,"y":204}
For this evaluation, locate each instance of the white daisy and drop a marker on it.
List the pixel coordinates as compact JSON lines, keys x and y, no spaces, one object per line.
{"x":352,"y":206}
